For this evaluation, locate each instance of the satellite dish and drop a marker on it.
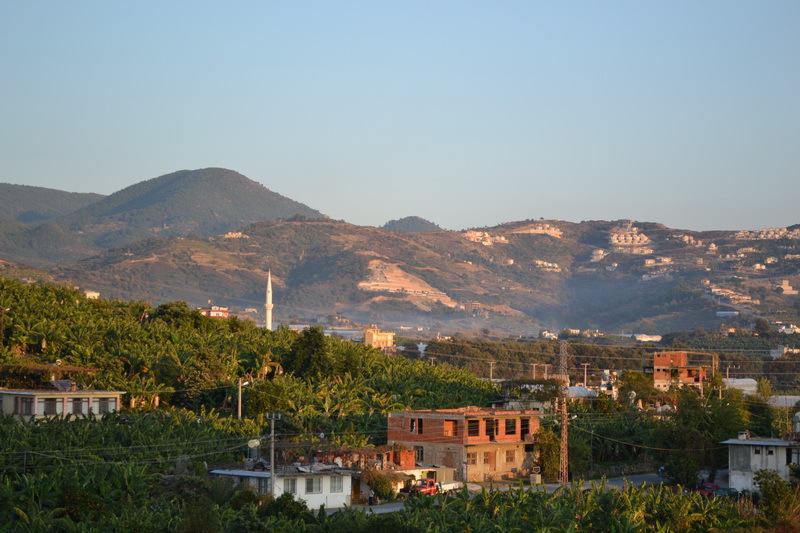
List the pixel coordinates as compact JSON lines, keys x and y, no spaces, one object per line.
{"x":253,"y":443}
{"x":58,"y":362}
{"x":322,"y":435}
{"x":536,"y":469}
{"x":632,"y":394}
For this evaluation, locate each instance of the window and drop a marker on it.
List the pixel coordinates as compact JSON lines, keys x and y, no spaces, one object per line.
{"x":24,"y":406}
{"x":511,"y":456}
{"x":51,"y":406}
{"x":419,"y":426}
{"x":757,"y":450}
{"x":78,"y":406}
{"x":770,"y":451}
{"x":313,"y":485}
{"x":264,"y":485}
{"x":472,"y":458}
{"x":473,"y":428}
{"x":450,"y":428}
{"x":290,"y":485}
{"x":491,"y":427}
{"x":486,"y":456}
{"x":336,"y":484}
{"x":419,"y":454}
{"x":413,"y":428}
{"x":106,"y":405}
{"x":511,"y":426}
{"x":793,"y":456}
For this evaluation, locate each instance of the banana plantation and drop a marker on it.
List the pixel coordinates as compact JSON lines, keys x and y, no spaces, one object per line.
{"x":143,"y":468}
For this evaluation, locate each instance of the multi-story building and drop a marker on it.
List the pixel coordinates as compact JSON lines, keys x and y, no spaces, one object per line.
{"x":480,"y":443}
{"x":382,"y":340}
{"x":674,"y":369}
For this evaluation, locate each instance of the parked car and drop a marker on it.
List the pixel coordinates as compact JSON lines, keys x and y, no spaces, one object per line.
{"x":707,"y":489}
{"x":726,"y":492}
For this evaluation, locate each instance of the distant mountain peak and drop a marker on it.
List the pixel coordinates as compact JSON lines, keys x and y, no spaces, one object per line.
{"x":204,"y":202}
{"x":411,"y":224}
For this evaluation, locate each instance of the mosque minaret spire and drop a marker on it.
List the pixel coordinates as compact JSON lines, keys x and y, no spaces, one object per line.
{"x":268,"y":305}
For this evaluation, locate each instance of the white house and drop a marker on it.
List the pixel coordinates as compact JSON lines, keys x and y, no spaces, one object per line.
{"x":747,"y":455}
{"x":61,"y":400}
{"x":315,"y":485}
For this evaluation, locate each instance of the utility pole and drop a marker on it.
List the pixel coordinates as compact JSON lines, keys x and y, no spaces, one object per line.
{"x":533,"y":370}
{"x":545,"y":370}
{"x":239,"y":407}
{"x":563,"y":468}
{"x":272,"y":418}
{"x":491,"y":370}
{"x":727,"y":378}
{"x":585,"y":366}
{"x":563,"y":471}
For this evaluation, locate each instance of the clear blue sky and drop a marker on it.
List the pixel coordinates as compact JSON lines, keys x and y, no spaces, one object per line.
{"x":465,"y":113}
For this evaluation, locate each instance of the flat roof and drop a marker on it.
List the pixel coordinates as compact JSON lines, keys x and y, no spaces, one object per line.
{"x":766,"y":441}
{"x":53,"y":392}
{"x":281,"y":472}
{"x":466,"y":411}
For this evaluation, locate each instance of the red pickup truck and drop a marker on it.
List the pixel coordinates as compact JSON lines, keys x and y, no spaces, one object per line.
{"x":424,"y":486}
{"x":430,"y":486}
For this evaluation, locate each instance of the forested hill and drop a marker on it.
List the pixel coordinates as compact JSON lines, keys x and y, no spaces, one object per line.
{"x":26,"y":204}
{"x":202,"y":202}
{"x":412,"y":224}
{"x":206,"y":202}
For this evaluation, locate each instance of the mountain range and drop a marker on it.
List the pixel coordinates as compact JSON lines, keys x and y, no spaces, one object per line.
{"x":202,"y":202}
{"x":212,"y":235}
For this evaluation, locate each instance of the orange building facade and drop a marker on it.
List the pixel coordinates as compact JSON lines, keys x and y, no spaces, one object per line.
{"x":674,"y":369}
{"x":481,"y":444}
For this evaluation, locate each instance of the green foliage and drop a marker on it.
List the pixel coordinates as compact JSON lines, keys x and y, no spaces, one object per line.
{"x":286,"y":506}
{"x":310,"y":355}
{"x":776,"y":494}
{"x":174,"y":355}
{"x":380,"y":483}
{"x":689,"y":440}
{"x":549,"y":453}
{"x":635,"y":386}
{"x":135,"y":487}
{"x":511,"y":357}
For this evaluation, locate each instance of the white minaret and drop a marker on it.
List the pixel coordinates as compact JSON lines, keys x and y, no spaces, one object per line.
{"x":268,"y":305}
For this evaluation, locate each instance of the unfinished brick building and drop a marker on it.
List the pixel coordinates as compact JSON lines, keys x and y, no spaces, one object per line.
{"x":479,"y":443}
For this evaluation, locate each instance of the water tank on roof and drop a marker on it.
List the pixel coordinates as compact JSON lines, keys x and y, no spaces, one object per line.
{"x":796,"y":423}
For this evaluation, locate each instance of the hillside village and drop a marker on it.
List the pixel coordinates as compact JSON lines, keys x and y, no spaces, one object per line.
{"x":515,"y":278}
